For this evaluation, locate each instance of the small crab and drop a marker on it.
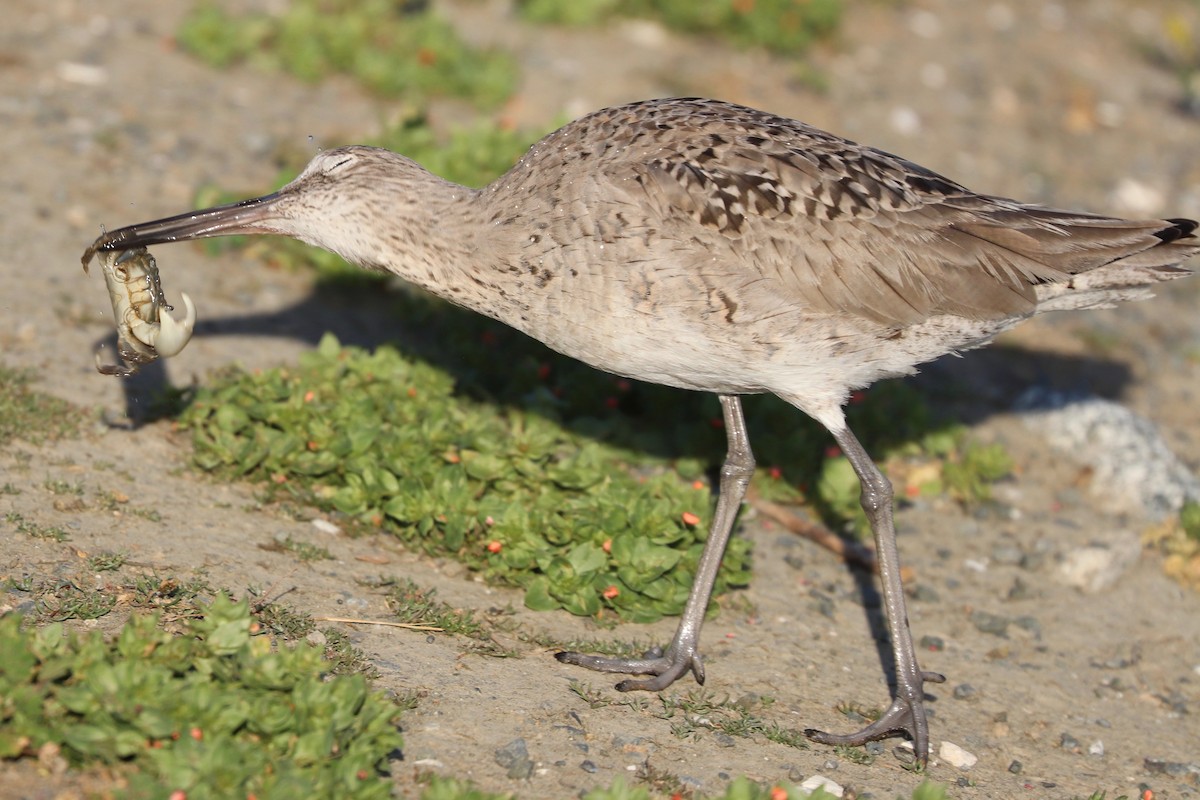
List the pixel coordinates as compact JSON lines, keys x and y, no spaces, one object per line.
{"x":145,"y":328}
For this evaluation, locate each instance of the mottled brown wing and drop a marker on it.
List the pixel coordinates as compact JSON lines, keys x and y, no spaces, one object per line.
{"x":844,"y":229}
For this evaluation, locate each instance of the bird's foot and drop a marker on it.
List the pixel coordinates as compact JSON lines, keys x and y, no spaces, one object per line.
{"x":665,"y":667}
{"x":905,"y":715}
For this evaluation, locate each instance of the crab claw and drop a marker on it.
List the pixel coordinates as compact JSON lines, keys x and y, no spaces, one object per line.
{"x":173,"y":335}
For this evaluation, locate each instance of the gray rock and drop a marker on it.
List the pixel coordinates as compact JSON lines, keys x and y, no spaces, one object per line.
{"x":1133,"y":468}
{"x":932,"y":643}
{"x":990,"y":623}
{"x":514,"y":757}
{"x":964,"y":691}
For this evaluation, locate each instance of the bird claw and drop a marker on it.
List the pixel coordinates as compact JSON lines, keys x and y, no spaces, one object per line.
{"x":905,"y":715}
{"x":665,"y":667}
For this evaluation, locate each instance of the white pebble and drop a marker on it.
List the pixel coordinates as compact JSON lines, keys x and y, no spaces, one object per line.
{"x":1134,"y":197}
{"x":1096,"y":748}
{"x":645,"y":33}
{"x":325,"y":526}
{"x":82,"y":74}
{"x":955,"y":756}
{"x":1094,"y":568}
{"x":821,"y":782}
{"x":905,"y":120}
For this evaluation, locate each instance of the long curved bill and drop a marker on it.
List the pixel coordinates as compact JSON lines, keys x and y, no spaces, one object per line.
{"x":245,"y":216}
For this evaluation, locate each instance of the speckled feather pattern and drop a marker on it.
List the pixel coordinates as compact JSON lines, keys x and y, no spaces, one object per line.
{"x":706,"y":245}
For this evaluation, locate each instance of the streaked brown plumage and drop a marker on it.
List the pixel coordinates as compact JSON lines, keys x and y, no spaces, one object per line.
{"x":709,"y":246}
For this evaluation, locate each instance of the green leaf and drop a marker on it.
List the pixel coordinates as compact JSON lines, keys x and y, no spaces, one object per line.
{"x":537,"y":595}
{"x":586,"y":558}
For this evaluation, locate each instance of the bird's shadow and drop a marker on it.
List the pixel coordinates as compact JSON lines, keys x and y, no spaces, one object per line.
{"x":370,"y":313}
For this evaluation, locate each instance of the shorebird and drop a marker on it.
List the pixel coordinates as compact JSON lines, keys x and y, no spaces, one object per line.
{"x":708,"y":246}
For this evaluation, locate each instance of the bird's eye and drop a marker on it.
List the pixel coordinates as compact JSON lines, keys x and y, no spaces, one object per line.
{"x":338,"y":165}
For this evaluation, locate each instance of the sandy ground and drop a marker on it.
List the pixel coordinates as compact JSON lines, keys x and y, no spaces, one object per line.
{"x":103,"y":122}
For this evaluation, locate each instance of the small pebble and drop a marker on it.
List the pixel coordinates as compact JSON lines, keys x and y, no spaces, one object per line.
{"x":1096,"y":748}
{"x":1137,"y":197}
{"x":1015,"y":767}
{"x":1176,"y":769}
{"x":81,"y":74}
{"x":514,"y":756}
{"x":994,"y":624}
{"x":1094,"y":568}
{"x":1033,"y":561}
{"x":905,"y":120}
{"x":588,"y":766}
{"x":823,"y":604}
{"x":964,"y":691}
{"x":1006,"y":553}
{"x":1020,"y":591}
{"x":1068,"y":742}
{"x":723,"y":739}
{"x":925,"y":593}
{"x":747,"y":701}
{"x":325,"y":526}
{"x":1116,"y":662}
{"x":830,"y":765}
{"x":629,"y":743}
{"x":815,"y":782}
{"x":934,"y":644}
{"x":956,"y":756}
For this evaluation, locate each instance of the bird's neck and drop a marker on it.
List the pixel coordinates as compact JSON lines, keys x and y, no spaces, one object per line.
{"x":442,"y":238}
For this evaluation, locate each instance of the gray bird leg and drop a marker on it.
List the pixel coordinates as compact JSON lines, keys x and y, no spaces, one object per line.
{"x":907,"y":711}
{"x":682,"y":655}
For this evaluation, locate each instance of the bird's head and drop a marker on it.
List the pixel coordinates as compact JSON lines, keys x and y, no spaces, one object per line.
{"x":335,"y":203}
